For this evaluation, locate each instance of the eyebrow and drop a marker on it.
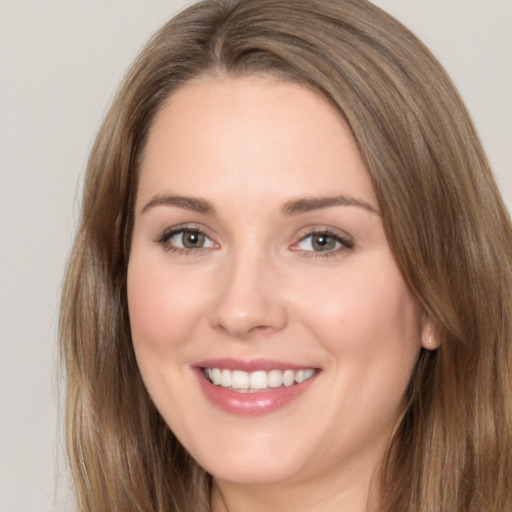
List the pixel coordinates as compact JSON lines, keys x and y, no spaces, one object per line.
{"x":307,"y":204}
{"x":294,"y":207}
{"x":194,"y":204}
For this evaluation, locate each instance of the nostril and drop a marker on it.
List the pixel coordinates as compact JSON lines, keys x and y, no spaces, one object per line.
{"x":242,"y":330}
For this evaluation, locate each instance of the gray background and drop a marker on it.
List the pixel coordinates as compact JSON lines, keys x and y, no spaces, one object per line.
{"x":60,"y":62}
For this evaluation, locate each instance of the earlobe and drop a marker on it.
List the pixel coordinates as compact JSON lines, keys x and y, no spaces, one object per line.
{"x":429,"y":339}
{"x":431,"y":344}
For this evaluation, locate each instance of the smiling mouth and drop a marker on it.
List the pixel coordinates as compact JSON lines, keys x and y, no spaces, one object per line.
{"x":254,"y":382}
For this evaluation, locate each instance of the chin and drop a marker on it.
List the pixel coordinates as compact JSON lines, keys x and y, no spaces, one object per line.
{"x":253,"y":467}
{"x":249,"y":473}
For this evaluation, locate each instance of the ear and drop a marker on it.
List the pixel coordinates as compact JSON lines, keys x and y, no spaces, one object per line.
{"x":429,"y":338}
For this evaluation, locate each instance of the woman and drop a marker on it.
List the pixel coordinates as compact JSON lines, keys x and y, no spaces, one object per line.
{"x":291,"y":285}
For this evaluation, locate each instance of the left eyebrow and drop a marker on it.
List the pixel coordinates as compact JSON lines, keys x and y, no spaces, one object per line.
{"x":307,"y":204}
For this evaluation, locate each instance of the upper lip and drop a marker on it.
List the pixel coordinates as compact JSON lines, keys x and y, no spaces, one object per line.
{"x":250,"y":365}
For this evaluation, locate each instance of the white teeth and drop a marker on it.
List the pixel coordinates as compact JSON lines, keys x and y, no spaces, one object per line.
{"x":216,"y":376}
{"x":243,"y":381}
{"x":225,"y":379}
{"x":258,"y":380}
{"x":308,"y":373}
{"x":289,"y":377}
{"x":239,"y":379}
{"x":275,"y":379}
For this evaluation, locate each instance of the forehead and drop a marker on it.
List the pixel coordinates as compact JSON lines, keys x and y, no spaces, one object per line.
{"x":251,"y":134}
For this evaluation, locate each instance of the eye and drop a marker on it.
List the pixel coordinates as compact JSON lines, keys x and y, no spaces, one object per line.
{"x":186,"y":239}
{"x":189,"y":239}
{"x":322,"y":242}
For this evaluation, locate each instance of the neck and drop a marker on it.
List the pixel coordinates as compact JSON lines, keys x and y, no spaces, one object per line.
{"x":352,"y":490}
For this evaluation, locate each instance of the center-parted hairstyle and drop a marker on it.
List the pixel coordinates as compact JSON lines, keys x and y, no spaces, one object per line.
{"x":443,"y":216}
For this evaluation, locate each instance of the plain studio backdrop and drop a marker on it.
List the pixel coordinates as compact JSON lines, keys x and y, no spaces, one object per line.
{"x":60,"y":63}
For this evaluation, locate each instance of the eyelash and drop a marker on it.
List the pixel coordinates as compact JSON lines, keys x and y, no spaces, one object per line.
{"x":344,"y":243}
{"x":168,"y":234}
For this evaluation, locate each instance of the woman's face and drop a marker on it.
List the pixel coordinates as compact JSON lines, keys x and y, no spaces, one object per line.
{"x":259,"y":260}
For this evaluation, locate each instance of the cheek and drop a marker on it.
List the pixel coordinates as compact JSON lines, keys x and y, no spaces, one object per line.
{"x":365,"y":316}
{"x":368,"y":323}
{"x":163,"y":306}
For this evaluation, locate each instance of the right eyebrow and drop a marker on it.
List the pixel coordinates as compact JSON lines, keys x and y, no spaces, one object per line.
{"x":194,"y":204}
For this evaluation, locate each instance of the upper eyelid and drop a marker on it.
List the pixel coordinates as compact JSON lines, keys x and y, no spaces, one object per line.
{"x":312,"y":230}
{"x":343,"y":242}
{"x":172,"y":230}
{"x":342,"y":237}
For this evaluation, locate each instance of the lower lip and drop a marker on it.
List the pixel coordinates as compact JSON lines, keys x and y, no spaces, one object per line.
{"x":251,"y":404}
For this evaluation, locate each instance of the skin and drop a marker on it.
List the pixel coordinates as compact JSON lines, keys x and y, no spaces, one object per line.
{"x":258,"y":289}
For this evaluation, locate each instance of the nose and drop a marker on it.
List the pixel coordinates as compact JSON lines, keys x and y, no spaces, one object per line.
{"x":249,"y":298}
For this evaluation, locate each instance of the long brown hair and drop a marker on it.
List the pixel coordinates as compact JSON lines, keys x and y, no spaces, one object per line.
{"x":443,"y":216}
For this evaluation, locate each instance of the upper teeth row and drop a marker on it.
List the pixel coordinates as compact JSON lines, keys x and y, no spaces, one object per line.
{"x":238,"y":379}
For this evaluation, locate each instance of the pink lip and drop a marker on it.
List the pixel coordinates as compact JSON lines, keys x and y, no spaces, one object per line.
{"x":251,"y":365}
{"x":250,"y":404}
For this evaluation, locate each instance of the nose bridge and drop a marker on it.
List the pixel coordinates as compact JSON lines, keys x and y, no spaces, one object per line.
{"x":248,"y":298}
